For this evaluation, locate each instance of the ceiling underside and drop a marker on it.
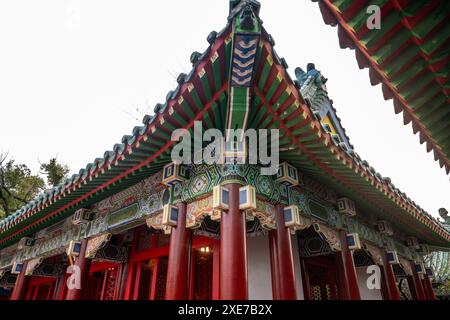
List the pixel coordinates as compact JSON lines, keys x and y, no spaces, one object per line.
{"x":203,"y":95}
{"x":409,"y":55}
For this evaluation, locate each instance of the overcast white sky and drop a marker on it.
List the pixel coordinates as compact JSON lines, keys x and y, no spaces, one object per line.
{"x":73,"y":73}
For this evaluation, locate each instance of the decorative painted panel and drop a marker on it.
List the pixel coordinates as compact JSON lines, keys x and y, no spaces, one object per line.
{"x":32,"y":265}
{"x":96,"y":244}
{"x":314,"y":246}
{"x":205,"y":177}
{"x":123,"y":216}
{"x":112,"y":253}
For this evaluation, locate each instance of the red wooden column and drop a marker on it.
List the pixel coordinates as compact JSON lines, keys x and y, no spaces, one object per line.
{"x":21,"y":286}
{"x":83,"y":264}
{"x":385,"y":294}
{"x":275,"y":272}
{"x":389,"y":278}
{"x":412,"y":287}
{"x":59,"y":287}
{"x":282,"y":261}
{"x":305,"y":279}
{"x":344,"y":291}
{"x":233,"y":250}
{"x":177,"y":286}
{"x":428,"y":288}
{"x":349,"y":270}
{"x":417,"y":282}
{"x":131,"y":272}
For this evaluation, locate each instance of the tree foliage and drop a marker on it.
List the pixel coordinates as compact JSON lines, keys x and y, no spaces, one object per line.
{"x":443,"y":289}
{"x":54,"y":171}
{"x":18,"y":185}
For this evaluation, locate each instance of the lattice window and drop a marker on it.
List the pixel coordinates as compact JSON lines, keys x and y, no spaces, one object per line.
{"x":316,"y":294}
{"x":329,"y":293}
{"x":203,"y":276}
{"x":161,"y":279}
{"x":332,"y":292}
{"x":110,"y":285}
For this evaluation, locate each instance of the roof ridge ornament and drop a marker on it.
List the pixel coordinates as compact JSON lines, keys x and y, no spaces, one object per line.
{"x":246,"y":34}
{"x":312,"y":85}
{"x":246,"y":8}
{"x":444,"y":215}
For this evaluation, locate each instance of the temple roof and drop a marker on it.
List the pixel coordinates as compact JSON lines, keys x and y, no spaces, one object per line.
{"x":276,"y":102}
{"x":408,"y":55}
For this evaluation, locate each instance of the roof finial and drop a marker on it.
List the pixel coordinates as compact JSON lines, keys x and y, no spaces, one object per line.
{"x":236,"y":6}
{"x":444,"y":215}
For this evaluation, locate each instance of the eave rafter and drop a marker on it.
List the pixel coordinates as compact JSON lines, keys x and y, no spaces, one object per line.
{"x":275,"y":103}
{"x":197,"y":98}
{"x":422,"y":96}
{"x":318,"y":155}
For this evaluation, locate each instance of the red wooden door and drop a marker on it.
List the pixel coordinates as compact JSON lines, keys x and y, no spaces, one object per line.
{"x":321,"y":274}
{"x":109,"y":286}
{"x":202,"y":282}
{"x":40,"y":289}
{"x":143,"y":282}
{"x":94,"y":285}
{"x":42,"y":292}
{"x":159,"y":287}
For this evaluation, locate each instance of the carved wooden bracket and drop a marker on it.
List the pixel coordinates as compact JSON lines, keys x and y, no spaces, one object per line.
{"x":155,"y":222}
{"x":375,"y":253}
{"x":32,"y":265}
{"x":406,"y":266}
{"x":96,"y":244}
{"x":331,"y":236}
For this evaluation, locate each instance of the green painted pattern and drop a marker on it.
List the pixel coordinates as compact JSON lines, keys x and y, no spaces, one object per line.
{"x":421,"y":64}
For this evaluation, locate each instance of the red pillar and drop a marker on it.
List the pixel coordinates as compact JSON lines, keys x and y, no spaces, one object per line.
{"x":177,"y":286}
{"x":275,"y":272}
{"x":417,"y":282}
{"x":389,"y":277}
{"x":83,"y":264}
{"x":233,"y":250}
{"x":349,"y":273}
{"x":20,"y":288}
{"x":412,"y":287}
{"x":428,"y":288}
{"x":283,"y":263}
{"x":344,"y":291}
{"x":59,"y":287}
{"x":385,"y":294}
{"x":305,"y":279}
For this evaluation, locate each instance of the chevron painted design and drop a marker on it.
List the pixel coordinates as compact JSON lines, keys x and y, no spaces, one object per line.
{"x":244,"y":54}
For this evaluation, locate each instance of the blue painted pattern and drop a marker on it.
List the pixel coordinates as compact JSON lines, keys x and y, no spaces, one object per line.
{"x":244,"y":54}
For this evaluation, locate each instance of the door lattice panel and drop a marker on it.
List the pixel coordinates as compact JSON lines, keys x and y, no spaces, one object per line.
{"x":110,"y":286}
{"x":316,"y":294}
